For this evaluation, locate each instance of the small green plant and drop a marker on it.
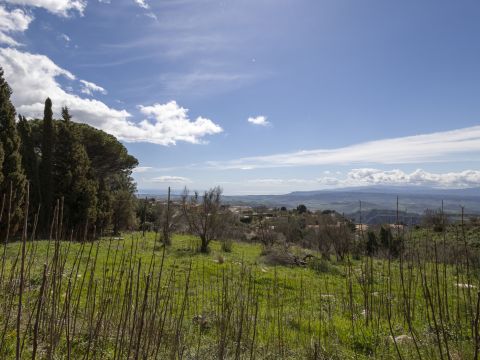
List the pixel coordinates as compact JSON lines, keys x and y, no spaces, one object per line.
{"x":227,"y":245}
{"x":322,"y":266}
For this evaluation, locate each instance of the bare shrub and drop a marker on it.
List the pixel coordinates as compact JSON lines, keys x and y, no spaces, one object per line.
{"x":203,"y":215}
{"x":278,"y":255}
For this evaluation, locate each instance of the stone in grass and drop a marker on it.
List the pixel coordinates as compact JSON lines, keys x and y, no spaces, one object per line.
{"x":401,"y":339}
{"x":465,"y":286}
{"x":219,"y":260}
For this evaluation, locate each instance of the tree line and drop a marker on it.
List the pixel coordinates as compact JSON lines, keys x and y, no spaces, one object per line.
{"x":74,"y":174}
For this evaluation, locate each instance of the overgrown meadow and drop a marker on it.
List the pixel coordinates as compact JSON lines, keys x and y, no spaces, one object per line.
{"x":134,"y":298}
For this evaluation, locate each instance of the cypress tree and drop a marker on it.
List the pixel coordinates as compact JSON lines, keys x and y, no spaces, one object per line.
{"x":46,"y":165}
{"x":2,"y":156}
{"x":66,"y":115}
{"x":30,"y":159}
{"x":13,"y":174}
{"x":62,"y":165}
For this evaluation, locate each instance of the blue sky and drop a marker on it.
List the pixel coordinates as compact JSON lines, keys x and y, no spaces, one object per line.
{"x":261,"y":96}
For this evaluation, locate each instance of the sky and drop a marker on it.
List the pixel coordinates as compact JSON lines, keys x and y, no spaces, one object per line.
{"x":260,"y":96}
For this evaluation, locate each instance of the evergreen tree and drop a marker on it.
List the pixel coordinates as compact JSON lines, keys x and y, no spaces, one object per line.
{"x":123,"y":216}
{"x":111,"y":166}
{"x":83,"y":200}
{"x":13,"y":174}
{"x":66,"y":115}
{"x":123,"y":201}
{"x":46,"y":165}
{"x":2,"y":155}
{"x":30,"y":160}
{"x":73,"y":176}
{"x":105,"y":197}
{"x":90,"y":166}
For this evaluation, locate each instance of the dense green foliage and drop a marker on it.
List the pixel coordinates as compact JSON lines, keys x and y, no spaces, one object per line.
{"x":92,"y":173}
{"x":77,"y":175}
{"x":13,"y":179}
{"x":30,"y":160}
{"x":2,"y":155}
{"x":72,"y":174}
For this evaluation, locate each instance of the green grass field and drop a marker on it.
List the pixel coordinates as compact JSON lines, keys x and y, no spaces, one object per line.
{"x":129,"y":298}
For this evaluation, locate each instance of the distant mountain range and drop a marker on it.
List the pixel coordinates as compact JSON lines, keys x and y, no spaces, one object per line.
{"x":413,"y":200}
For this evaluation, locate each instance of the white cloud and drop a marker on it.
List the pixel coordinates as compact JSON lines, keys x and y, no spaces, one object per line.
{"x":367,"y":176}
{"x":331,"y":181}
{"x":142,"y":169}
{"x":439,"y":146}
{"x":363,"y":177}
{"x":258,"y":120}
{"x":13,"y":21}
{"x":58,"y":7}
{"x":89,"y":88}
{"x":151,"y":15}
{"x":8,"y":40}
{"x":171,"y":179}
{"x":142,"y":3}
{"x":33,"y":78}
{"x":172,"y":124}
{"x":65,"y":37}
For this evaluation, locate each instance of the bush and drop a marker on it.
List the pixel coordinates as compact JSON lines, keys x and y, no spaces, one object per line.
{"x":278,"y":255}
{"x":227,"y":246}
{"x":321,"y":266}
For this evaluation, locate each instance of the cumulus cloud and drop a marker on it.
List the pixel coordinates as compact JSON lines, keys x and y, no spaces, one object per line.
{"x":58,"y":7}
{"x":89,"y":88}
{"x":367,"y":176}
{"x":171,"y":179}
{"x":14,"y":21}
{"x":142,"y":3}
{"x":258,"y":120}
{"x":438,"y":146}
{"x":371,"y":177}
{"x":34,"y":77}
{"x":171,"y":123}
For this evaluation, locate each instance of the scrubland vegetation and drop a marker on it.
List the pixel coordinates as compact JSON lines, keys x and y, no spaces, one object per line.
{"x":140,"y":297}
